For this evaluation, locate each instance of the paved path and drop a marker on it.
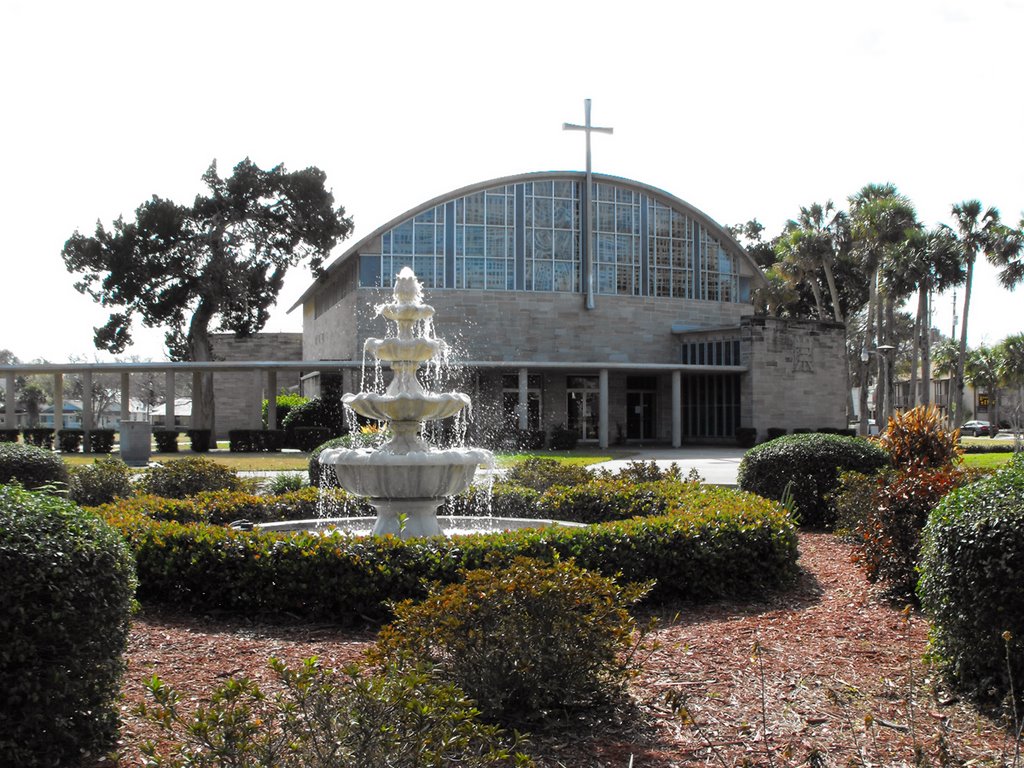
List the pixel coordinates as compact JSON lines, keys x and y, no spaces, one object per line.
{"x":716,"y":465}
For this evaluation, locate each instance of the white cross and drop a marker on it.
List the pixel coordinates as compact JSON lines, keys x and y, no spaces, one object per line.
{"x":588,"y":129}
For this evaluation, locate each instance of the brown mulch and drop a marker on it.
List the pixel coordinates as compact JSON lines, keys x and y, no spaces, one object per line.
{"x":828,"y":673}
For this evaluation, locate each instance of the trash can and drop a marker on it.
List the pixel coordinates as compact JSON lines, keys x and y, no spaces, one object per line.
{"x":136,"y":437}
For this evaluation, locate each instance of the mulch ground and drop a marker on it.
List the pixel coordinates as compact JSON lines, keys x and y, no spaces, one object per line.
{"x":829,"y":673}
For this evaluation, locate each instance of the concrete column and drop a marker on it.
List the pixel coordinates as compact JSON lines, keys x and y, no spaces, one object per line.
{"x":677,"y":409}
{"x":256,"y":401}
{"x":126,"y":396}
{"x":271,"y":399}
{"x":198,"y":420}
{"x":58,"y":404}
{"x":602,"y":408}
{"x":10,"y":404}
{"x":169,"y":399}
{"x":524,"y":396}
{"x":87,"y":419}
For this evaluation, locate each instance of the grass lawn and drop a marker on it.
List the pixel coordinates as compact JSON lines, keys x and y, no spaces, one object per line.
{"x":986,"y":460}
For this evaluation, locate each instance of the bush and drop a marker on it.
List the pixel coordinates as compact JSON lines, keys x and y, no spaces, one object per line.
{"x":9,"y":435}
{"x":166,"y":440}
{"x":541,"y":474}
{"x":972,"y":582}
{"x":523,"y":640}
{"x":886,"y":512}
{"x":916,"y":438}
{"x":502,"y":499}
{"x":712,"y":543}
{"x":101,"y":440}
{"x":600,"y":501}
{"x":645,"y":472}
{"x":199,"y":439}
{"x":308,"y":438}
{"x":811,"y":463}
{"x":324,"y":719}
{"x":41,"y":437}
{"x":65,"y":600}
{"x":255,"y":440}
{"x":31,"y":466}
{"x":774,"y":432}
{"x":563,"y":439}
{"x":100,"y":482}
{"x":285,"y":403}
{"x":746,"y":437}
{"x":324,"y":413}
{"x":70,"y":440}
{"x":286,"y":482}
{"x":186,"y":477}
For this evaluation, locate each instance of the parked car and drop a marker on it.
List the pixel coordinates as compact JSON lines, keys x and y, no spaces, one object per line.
{"x":976,"y":428}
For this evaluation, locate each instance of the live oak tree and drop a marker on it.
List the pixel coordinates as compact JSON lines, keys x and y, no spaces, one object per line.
{"x":215,"y":265}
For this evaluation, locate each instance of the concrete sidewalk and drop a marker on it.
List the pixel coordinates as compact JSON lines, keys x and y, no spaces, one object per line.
{"x":716,"y":465}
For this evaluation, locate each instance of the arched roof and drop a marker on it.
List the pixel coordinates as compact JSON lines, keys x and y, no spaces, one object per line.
{"x":719,"y":232}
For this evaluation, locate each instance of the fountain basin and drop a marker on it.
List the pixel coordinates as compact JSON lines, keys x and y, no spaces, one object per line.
{"x":426,"y":406}
{"x":414,"y":475}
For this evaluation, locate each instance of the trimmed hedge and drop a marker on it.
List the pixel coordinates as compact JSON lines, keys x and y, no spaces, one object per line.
{"x":812,"y":463}
{"x":186,"y":477}
{"x":65,"y":602}
{"x":199,"y":439}
{"x":9,"y":435}
{"x":256,"y":440}
{"x":101,"y":440}
{"x":70,"y":440}
{"x":972,"y":582}
{"x":31,"y":466}
{"x":166,"y":440}
{"x":41,"y":437}
{"x":705,"y":550}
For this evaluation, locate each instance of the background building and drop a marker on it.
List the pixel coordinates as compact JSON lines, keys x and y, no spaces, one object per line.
{"x":625,"y":319}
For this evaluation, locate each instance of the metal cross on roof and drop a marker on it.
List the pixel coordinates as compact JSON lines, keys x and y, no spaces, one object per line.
{"x":589,"y":239}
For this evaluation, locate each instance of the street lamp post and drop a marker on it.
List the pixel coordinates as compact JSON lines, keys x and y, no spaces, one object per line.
{"x":881,"y":411}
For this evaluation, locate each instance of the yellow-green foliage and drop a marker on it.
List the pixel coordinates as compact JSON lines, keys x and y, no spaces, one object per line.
{"x":917,"y":438}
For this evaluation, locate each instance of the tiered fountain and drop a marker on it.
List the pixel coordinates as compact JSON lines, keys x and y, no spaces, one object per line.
{"x":406,"y":480}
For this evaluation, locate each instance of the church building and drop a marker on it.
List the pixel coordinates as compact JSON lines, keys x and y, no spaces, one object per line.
{"x":613,"y":309}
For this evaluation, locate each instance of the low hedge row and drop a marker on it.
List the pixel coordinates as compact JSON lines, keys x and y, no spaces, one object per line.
{"x":705,"y":550}
{"x":224,"y":507}
{"x":1006,"y":447}
{"x":256,"y":440}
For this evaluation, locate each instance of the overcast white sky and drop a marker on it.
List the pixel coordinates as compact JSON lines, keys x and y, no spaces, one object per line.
{"x":744,"y":109}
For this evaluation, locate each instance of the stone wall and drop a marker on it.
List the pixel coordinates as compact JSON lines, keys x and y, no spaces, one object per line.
{"x":239,"y":396}
{"x":796,"y":377}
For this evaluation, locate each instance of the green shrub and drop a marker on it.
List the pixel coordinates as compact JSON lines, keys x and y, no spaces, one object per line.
{"x":712,"y":543}
{"x":563,"y":439}
{"x":166,"y":440}
{"x":285,"y":403}
{"x":65,"y":599}
{"x":324,"y":413}
{"x":917,"y":438}
{"x":186,"y":477}
{"x":255,"y":440}
{"x":306,"y":439}
{"x":523,"y":640}
{"x":41,"y":437}
{"x":70,"y":440}
{"x":886,"y":512}
{"x":541,"y":474}
{"x":101,"y":440}
{"x":199,"y":439}
{"x":774,"y":432}
{"x":224,"y":507}
{"x":808,"y":464}
{"x":972,"y":581}
{"x":31,"y":466}
{"x":286,"y":482}
{"x":9,"y":435}
{"x":746,"y":437}
{"x":324,"y":719}
{"x":645,"y":472}
{"x":503,"y":499}
{"x":606,"y":499}
{"x":100,"y":482}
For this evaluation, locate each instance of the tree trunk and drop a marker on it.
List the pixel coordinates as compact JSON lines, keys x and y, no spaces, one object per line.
{"x":864,"y":365}
{"x":926,"y":351}
{"x":833,"y":293}
{"x":202,"y":351}
{"x":957,"y":395}
{"x":915,"y":348}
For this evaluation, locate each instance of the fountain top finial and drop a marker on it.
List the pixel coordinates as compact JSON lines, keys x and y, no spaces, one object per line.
{"x":407,"y":288}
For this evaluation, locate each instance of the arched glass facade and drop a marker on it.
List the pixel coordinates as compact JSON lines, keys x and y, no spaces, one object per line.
{"x":530,"y":236}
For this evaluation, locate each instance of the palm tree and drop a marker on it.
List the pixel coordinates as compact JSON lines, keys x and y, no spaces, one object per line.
{"x":1008,"y":255}
{"x":879,"y":219}
{"x":813,"y":242}
{"x":1012,"y":374}
{"x":976,"y":231}
{"x":31,"y":397}
{"x":932,"y":266}
{"x":946,"y":356}
{"x":984,"y":369}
